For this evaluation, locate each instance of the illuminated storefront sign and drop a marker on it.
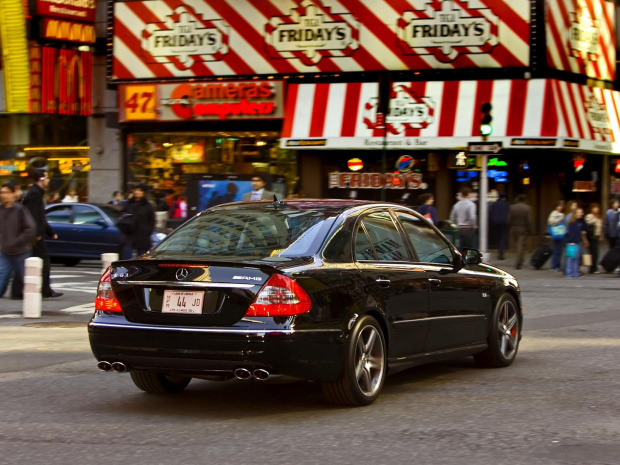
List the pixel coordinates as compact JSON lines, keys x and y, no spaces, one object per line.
{"x":448,"y":29}
{"x":80,"y":10}
{"x":60,"y":81}
{"x":68,"y":31}
{"x":340,"y":180}
{"x":201,"y":101}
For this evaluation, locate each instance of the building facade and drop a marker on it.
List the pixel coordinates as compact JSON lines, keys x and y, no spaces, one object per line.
{"x":299,"y":89}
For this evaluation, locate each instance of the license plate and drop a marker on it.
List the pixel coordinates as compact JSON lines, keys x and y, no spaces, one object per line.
{"x":189,"y":302}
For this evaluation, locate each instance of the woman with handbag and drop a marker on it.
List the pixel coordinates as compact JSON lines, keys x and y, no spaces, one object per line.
{"x":594,"y":229}
{"x":557,"y":231}
{"x":576,"y":239}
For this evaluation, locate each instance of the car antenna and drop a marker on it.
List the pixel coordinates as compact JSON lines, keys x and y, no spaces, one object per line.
{"x":276,"y":202}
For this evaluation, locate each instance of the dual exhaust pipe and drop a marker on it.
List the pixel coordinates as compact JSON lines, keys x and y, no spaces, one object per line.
{"x":114,"y":366}
{"x":244,"y":374}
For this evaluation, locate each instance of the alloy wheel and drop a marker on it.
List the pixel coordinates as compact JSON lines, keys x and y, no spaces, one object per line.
{"x":508,"y":329}
{"x":369,"y":360}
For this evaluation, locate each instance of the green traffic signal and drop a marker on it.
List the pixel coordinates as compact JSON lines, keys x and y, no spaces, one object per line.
{"x":486,"y":129}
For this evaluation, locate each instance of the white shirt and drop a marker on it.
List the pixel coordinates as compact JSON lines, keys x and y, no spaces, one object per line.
{"x":257,"y":195}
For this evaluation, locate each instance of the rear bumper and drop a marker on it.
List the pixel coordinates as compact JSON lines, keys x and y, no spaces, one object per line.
{"x":309,"y":354}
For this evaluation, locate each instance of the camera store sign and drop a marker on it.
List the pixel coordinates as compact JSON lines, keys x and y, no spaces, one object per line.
{"x":185,"y":37}
{"x":221,"y":100}
{"x":311,"y":32}
{"x":447,"y":30}
{"x":339,"y":180}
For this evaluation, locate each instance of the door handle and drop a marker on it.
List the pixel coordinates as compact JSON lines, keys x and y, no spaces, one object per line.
{"x":383,"y":281}
{"x":435,"y":282}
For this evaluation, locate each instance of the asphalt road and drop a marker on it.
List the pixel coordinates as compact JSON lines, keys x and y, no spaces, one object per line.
{"x":557,"y":404}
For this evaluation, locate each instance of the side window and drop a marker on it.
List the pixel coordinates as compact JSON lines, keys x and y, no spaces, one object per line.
{"x":385,"y":237}
{"x":86,"y":215}
{"x":363,"y":247}
{"x":60,"y":214}
{"x":430,"y":247}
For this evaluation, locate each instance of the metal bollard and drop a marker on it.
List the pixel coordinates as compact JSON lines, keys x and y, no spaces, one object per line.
{"x":32,"y":288}
{"x":160,"y":219}
{"x":107,"y":259}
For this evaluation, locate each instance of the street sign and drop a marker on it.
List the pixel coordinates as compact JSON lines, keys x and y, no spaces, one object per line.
{"x":485,"y":147}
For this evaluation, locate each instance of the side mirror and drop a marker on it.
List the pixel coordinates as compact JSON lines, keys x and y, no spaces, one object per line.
{"x":101,"y":222}
{"x":471,"y":256}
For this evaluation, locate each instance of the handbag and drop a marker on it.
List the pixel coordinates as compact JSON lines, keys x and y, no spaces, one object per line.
{"x":586,"y":259}
{"x":126,"y":223}
{"x":571,"y":250}
{"x":557,"y":231}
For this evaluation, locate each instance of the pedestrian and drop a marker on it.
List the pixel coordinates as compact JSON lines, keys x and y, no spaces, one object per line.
{"x":594,"y":232}
{"x":576,"y":239}
{"x":35,"y":203}
{"x":498,"y":221}
{"x":17,"y":229}
{"x":258,"y":189}
{"x":143,"y":218}
{"x":557,"y":231}
{"x":464,"y":216}
{"x":117,"y":198}
{"x":520,"y":223}
{"x":426,"y":208}
{"x":17,"y":285}
{"x":71,"y":196}
{"x":569,"y":210}
{"x":611,"y":223}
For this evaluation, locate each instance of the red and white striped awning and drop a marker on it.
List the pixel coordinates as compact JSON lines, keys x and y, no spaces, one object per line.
{"x":446,"y":115}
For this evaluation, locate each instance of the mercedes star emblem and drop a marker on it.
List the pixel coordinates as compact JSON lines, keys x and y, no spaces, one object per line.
{"x":182,"y":274}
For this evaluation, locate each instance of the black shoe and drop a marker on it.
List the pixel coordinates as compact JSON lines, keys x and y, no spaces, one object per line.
{"x":53,"y":294}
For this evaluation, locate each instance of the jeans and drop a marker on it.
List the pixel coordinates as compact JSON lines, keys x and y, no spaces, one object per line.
{"x":572,"y":265}
{"x":556,"y":255}
{"x":467,"y":238}
{"x":501,"y":231}
{"x":8,"y":264}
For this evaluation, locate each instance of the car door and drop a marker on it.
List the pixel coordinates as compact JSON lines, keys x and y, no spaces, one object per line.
{"x":455,"y":306}
{"x":59,"y":218}
{"x":95,"y":233}
{"x":393,"y":282}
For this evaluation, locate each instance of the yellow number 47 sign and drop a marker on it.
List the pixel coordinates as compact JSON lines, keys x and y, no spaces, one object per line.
{"x":140,"y":102}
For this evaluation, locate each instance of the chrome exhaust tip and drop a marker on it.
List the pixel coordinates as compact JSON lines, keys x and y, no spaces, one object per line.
{"x":104,"y":366}
{"x":242,"y":374}
{"x":119,"y":367}
{"x":260,"y":374}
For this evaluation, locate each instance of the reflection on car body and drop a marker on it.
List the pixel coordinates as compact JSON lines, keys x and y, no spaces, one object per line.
{"x":342,"y":292}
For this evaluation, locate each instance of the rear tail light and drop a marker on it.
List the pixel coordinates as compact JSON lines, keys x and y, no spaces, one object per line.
{"x":280,"y":296}
{"x":106,"y":298}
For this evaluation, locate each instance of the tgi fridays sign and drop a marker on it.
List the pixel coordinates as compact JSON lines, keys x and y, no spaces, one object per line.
{"x":340,"y":180}
{"x":310,"y":33}
{"x":201,"y":101}
{"x":185,"y":37}
{"x":78,"y":10}
{"x":406,"y":111}
{"x":445,"y":29}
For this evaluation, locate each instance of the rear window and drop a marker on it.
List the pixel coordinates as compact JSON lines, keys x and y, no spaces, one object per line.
{"x":249,"y":233}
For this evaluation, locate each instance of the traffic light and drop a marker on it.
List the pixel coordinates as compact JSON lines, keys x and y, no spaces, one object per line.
{"x":485,"y":122}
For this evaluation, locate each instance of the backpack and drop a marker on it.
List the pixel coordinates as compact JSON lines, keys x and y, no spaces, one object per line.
{"x":126,"y":222}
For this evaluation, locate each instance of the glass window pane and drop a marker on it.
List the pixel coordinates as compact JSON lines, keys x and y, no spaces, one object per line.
{"x":385,"y":237}
{"x":60,"y":214}
{"x":363,"y":247}
{"x":86,"y":215}
{"x":429,"y":246}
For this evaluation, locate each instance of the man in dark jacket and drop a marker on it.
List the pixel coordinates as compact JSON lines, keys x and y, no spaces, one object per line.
{"x":498,"y":222}
{"x":143,"y":220}
{"x":34,"y":201}
{"x":17,"y":230}
{"x":520,"y":222}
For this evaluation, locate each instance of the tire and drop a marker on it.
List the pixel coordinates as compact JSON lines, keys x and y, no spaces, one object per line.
{"x":504,"y":335}
{"x":364,"y":368}
{"x":69,"y":261}
{"x":159,"y":383}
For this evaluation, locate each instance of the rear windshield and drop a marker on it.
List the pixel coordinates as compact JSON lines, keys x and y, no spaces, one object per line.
{"x":253,"y":234}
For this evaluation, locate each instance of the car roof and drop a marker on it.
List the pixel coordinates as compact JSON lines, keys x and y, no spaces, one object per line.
{"x":337,"y":205}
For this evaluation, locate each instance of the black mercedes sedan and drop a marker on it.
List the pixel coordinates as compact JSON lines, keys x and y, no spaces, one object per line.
{"x":342,"y":292}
